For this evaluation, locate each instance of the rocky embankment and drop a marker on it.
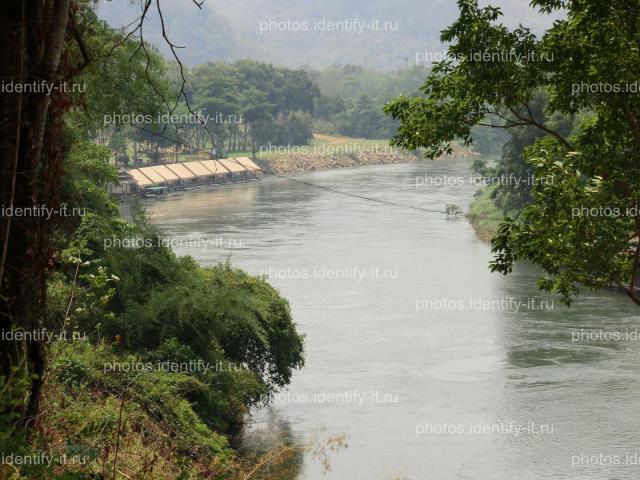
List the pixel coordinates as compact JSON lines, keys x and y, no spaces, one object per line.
{"x":304,"y":162}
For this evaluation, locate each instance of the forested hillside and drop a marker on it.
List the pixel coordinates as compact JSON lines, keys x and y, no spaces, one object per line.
{"x":273,"y":31}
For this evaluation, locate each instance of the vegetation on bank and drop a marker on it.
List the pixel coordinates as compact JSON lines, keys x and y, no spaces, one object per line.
{"x":160,"y":357}
{"x":484,"y":215}
{"x":255,"y":109}
{"x":511,"y":178}
{"x":119,"y":359}
{"x":582,"y":226}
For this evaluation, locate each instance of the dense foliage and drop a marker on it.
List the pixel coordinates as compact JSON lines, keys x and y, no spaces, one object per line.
{"x":254,"y":104}
{"x":352,"y":99}
{"x":583,"y":227}
{"x":512,"y":177}
{"x":118,"y":314}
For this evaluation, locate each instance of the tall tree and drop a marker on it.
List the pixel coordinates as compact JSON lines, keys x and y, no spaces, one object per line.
{"x":34,"y":52}
{"x":584,"y":225}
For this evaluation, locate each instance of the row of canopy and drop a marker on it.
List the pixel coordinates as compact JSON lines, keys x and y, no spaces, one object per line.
{"x":171,"y":172}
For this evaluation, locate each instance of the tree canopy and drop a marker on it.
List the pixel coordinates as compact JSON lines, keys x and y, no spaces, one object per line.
{"x":582,"y":227}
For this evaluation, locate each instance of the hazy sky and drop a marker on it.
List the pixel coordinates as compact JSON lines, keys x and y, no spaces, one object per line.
{"x":376,"y":33}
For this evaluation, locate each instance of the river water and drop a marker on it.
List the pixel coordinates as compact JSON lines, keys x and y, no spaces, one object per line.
{"x":433,"y":367}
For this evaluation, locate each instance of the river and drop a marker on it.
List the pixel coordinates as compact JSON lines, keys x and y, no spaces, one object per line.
{"x":432,"y":366}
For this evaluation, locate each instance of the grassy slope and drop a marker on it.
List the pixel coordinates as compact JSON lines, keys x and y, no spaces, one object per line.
{"x":124,"y":426}
{"x":481,"y":208}
{"x":90,"y":414}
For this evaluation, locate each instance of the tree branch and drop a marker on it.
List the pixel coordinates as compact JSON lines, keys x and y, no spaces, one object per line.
{"x":532,"y":121}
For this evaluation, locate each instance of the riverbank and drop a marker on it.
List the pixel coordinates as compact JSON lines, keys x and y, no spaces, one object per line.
{"x":483,"y":214}
{"x":310,"y":162}
{"x":324,"y":152}
{"x":332,"y":152}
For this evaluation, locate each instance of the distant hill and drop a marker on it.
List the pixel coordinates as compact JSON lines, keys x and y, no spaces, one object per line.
{"x":382,"y":34}
{"x":206,"y":35}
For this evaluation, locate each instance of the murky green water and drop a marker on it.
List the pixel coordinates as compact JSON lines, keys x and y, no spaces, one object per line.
{"x":415,"y":350}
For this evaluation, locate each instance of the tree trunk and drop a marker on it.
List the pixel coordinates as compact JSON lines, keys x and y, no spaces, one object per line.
{"x":30,"y":51}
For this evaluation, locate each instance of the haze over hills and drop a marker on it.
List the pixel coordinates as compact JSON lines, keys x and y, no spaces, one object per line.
{"x":380,"y":34}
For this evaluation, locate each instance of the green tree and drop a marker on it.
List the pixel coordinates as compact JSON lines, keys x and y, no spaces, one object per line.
{"x":513,"y":176}
{"x":256,"y":101}
{"x":146,"y":296}
{"x":365,"y":119}
{"x":121,"y":79}
{"x":588,"y":63}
